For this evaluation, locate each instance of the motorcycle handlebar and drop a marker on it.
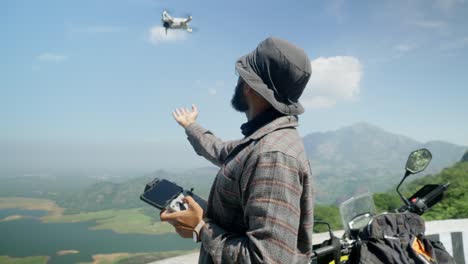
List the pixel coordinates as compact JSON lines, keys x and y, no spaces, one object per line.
{"x":432,"y":197}
{"x":419,"y":205}
{"x":322,"y":251}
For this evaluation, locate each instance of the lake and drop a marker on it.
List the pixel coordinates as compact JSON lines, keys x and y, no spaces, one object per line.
{"x":31,"y":237}
{"x":11,"y":211}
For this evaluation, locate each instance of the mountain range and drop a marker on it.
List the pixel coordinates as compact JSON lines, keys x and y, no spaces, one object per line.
{"x":363,"y":157}
{"x":345,"y":162}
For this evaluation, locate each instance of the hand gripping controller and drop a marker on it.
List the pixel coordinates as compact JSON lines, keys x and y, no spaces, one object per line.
{"x":177,"y":204}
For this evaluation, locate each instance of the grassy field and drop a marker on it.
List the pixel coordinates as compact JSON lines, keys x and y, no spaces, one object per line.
{"x":136,"y":258}
{"x":115,"y":258}
{"x":120,"y":221}
{"x":30,"y":204}
{"x":12,"y":218}
{"x":67,"y":252}
{"x":26,"y":260}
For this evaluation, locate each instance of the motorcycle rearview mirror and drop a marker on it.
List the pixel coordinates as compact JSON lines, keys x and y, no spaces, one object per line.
{"x":417,"y":162}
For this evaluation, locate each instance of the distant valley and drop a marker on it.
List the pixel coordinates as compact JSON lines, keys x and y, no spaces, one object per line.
{"x":350,"y":160}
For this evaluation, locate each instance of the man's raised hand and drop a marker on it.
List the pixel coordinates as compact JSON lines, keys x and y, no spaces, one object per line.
{"x":184,"y":116}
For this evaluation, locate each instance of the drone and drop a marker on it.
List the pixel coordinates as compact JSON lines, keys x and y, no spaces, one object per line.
{"x":170,"y":22}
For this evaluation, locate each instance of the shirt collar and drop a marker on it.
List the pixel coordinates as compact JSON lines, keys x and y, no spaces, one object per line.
{"x":259,"y":121}
{"x":278,"y":123}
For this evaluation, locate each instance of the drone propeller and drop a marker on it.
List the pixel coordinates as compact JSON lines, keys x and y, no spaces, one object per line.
{"x":169,"y":10}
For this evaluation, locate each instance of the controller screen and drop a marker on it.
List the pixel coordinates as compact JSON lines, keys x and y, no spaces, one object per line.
{"x":163,"y":193}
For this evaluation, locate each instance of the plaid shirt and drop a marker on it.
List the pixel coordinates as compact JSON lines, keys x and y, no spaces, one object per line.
{"x":260,"y":208}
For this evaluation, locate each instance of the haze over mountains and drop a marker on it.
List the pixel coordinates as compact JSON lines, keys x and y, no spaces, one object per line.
{"x":363,"y":157}
{"x":348,"y":161}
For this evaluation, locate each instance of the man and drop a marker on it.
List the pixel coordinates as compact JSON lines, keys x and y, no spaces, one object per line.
{"x":260,"y":208}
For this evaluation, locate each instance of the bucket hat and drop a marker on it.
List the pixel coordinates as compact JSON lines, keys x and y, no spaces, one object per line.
{"x":279,"y":72}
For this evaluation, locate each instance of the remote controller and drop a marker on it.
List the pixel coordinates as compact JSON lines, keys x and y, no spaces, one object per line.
{"x":177,"y":204}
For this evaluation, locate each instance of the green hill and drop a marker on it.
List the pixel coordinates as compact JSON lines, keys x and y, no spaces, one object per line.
{"x":125,"y":195}
{"x":454,"y":205}
{"x":455,"y":202}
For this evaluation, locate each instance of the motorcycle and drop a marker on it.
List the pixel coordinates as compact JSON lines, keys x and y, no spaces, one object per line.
{"x":387,"y":237}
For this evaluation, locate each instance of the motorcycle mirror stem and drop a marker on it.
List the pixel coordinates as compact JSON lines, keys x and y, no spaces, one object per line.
{"x":407,"y":173}
{"x":417,"y":162}
{"x":330,"y":232}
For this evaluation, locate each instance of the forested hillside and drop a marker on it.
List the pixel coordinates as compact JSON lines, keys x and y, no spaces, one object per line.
{"x":107,"y":195}
{"x":454,"y":204}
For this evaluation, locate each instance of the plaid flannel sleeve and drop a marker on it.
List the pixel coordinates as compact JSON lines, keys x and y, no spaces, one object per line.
{"x":272,"y":211}
{"x":208,"y":145}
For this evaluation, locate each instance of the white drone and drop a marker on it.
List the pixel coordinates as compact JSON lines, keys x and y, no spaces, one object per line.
{"x":175,"y":22}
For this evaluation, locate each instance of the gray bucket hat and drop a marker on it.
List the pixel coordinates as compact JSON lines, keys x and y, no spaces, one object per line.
{"x":279,"y":72}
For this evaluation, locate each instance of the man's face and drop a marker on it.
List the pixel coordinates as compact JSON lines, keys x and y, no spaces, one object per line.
{"x":238,"y":101}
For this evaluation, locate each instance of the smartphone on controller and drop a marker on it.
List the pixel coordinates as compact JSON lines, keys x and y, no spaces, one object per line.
{"x":164,"y":194}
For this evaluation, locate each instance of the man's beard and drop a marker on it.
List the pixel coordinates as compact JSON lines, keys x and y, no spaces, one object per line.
{"x":238,"y":101}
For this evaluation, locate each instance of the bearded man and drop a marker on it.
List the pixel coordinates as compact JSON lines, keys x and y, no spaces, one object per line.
{"x":260,"y":208}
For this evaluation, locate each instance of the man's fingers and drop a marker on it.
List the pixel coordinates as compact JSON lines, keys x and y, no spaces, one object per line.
{"x":185,"y":116}
{"x":185,"y":111}
{"x":165,"y":216}
{"x":177,"y":116}
{"x":189,"y":200}
{"x":192,"y":204}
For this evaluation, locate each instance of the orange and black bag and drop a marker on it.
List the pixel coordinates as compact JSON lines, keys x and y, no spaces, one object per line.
{"x":397,"y":238}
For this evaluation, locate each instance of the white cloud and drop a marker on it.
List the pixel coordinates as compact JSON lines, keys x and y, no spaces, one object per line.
{"x":318,"y":102}
{"x":51,"y":57}
{"x":212,"y":86}
{"x":333,"y":79}
{"x":157,"y":34}
{"x":447,"y":5}
{"x":404,"y":47}
{"x":212,"y":92}
{"x":430,"y":24}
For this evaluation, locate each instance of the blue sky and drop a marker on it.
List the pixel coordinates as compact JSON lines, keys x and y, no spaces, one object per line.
{"x":93,"y":83}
